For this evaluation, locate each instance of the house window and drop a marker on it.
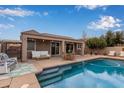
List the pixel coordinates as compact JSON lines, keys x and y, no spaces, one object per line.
{"x":79,"y":46}
{"x":31,"y":45}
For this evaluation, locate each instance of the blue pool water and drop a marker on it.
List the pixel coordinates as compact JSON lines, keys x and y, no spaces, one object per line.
{"x":98,"y":73}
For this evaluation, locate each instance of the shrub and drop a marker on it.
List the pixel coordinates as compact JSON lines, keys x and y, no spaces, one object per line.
{"x":110,"y":38}
{"x":96,"y":43}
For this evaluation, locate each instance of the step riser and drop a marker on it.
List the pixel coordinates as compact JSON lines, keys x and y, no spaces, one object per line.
{"x":52,"y":70}
{"x":54,"y":74}
{"x":51,"y":81}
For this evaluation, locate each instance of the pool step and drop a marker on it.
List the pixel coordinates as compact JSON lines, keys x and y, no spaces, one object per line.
{"x":54,"y":74}
{"x":50,"y":75}
{"x":64,"y":68}
{"x":51,"y":81}
{"x":51,"y":70}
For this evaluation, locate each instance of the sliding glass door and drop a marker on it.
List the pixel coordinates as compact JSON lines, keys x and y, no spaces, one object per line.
{"x":55,"y":48}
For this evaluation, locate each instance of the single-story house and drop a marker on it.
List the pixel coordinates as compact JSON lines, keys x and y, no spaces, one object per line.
{"x":56,"y":45}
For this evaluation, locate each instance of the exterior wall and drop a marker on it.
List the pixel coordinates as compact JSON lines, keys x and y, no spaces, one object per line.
{"x":11,"y":49}
{"x":24,"y":47}
{"x":43,"y":46}
{"x":117,"y":49}
{"x":14,"y":50}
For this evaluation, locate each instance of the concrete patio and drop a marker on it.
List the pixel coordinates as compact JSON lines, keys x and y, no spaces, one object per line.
{"x":16,"y":82}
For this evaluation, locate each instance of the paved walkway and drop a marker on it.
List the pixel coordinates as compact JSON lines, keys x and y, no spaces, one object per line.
{"x":31,"y":79}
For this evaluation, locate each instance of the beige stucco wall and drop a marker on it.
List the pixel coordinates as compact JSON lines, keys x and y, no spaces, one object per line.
{"x":117,"y":49}
{"x":43,"y":46}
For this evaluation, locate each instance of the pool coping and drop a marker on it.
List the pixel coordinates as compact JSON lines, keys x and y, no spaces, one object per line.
{"x":78,"y":61}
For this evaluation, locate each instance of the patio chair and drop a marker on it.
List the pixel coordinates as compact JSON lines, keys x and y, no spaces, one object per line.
{"x":7,"y":64}
{"x":121,"y":54}
{"x":111,"y":53}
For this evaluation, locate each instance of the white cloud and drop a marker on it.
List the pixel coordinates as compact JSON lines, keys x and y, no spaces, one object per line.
{"x":90,"y":7}
{"x":45,"y":13}
{"x":6,"y":26}
{"x":105,"y":23}
{"x":0,"y":33}
{"x":16,"y":12}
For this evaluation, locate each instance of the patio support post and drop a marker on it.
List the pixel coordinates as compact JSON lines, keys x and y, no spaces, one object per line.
{"x":24,"y":48}
{"x":0,"y":48}
{"x":74,"y":48}
{"x":83,"y":47}
{"x":63,"y":47}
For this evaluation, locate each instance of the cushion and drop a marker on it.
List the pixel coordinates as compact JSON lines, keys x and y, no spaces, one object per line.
{"x":39,"y":54}
{"x":3,"y":56}
{"x":44,"y":53}
{"x":121,"y":53}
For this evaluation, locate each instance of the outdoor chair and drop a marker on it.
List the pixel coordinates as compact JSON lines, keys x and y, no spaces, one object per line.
{"x":121,"y":54}
{"x":40,"y":54}
{"x":7,"y":64}
{"x":111,"y":53}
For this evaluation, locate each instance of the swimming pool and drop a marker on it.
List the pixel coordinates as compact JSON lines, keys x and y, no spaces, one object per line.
{"x":98,"y":73}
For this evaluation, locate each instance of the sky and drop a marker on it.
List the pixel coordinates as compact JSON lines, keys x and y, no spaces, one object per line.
{"x":72,"y":21}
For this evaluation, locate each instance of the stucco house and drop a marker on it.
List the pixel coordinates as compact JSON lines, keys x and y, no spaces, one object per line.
{"x":56,"y":45}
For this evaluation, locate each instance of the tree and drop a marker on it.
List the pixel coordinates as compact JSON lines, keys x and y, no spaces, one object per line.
{"x":110,"y":38}
{"x":96,"y":43}
{"x":119,"y":36}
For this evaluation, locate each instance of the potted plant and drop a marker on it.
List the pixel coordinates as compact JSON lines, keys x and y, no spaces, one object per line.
{"x":69,"y":55}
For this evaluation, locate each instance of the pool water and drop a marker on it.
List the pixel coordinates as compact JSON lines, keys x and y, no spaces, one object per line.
{"x":98,"y":73}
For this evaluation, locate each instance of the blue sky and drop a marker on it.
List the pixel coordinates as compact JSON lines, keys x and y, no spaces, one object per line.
{"x":95,"y":20}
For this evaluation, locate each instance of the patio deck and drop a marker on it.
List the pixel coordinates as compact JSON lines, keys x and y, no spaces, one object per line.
{"x":31,"y":79}
{"x":56,"y":61}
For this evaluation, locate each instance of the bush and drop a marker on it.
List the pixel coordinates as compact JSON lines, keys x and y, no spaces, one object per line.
{"x":96,"y":43}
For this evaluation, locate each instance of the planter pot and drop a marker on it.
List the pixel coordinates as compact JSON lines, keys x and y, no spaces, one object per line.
{"x":69,"y":57}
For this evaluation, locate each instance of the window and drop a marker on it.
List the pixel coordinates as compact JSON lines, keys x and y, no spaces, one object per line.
{"x":69,"y":48}
{"x":31,"y":45}
{"x":79,"y":46}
